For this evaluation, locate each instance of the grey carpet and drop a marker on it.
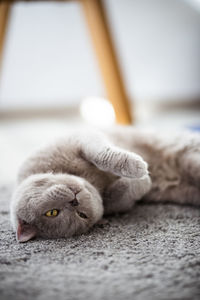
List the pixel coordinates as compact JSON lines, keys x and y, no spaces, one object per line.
{"x":151,"y":253}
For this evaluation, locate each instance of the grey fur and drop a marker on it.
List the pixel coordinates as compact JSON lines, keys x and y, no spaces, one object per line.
{"x":106,"y":172}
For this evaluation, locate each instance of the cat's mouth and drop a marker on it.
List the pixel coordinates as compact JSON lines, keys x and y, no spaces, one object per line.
{"x":25,"y":231}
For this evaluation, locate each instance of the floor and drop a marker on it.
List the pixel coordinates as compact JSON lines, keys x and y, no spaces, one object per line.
{"x":150,"y":253}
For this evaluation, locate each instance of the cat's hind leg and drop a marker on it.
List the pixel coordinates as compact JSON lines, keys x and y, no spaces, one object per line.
{"x":187,"y":157}
{"x":183,"y":193}
{"x":121,"y":195}
{"x":176,"y":174}
{"x":190,"y":166}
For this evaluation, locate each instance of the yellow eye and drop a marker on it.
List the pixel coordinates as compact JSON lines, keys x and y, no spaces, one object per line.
{"x":51,"y":213}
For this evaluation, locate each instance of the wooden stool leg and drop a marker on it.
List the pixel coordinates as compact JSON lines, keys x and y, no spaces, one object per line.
{"x":4,"y":15}
{"x":96,"y":19}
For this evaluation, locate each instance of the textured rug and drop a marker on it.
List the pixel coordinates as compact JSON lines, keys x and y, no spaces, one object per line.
{"x":151,"y":253}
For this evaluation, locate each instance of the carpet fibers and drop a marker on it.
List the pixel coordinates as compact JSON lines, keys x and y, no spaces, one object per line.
{"x":151,"y":253}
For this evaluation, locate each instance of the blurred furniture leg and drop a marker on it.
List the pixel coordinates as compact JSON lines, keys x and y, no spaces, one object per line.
{"x":97,"y":22}
{"x":4,"y":15}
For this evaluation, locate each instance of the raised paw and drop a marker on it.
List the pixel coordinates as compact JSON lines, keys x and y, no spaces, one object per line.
{"x":122,"y":163}
{"x":133,"y":166}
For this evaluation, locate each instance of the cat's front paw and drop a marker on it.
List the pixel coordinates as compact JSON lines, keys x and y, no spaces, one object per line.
{"x":121,"y":162}
{"x":134,"y":166}
{"x":125,"y":164}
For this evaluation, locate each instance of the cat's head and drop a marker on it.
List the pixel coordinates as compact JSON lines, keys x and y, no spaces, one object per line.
{"x":53,"y":206}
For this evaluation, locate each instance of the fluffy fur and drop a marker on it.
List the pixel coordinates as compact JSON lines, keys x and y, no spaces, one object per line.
{"x":90,"y":173}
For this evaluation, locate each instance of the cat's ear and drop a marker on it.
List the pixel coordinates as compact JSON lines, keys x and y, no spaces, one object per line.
{"x":25,"y":232}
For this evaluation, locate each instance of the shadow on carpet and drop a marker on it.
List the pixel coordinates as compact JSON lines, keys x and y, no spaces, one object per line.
{"x":151,"y":253}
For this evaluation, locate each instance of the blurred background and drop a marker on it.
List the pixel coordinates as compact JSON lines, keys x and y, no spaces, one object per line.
{"x":50,"y":80}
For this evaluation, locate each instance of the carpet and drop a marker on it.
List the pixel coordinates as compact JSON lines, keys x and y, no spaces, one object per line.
{"x":153,"y":252}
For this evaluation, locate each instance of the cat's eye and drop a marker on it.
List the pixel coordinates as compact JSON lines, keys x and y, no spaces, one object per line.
{"x":52,"y":213}
{"x":82,"y":215}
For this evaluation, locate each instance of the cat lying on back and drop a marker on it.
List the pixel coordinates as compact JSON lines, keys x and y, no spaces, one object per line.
{"x":66,"y":187}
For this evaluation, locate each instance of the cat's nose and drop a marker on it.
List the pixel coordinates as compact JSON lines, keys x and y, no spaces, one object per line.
{"x":74,"y":202}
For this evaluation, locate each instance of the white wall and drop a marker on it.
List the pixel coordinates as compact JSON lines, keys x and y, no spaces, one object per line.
{"x":49,"y":59}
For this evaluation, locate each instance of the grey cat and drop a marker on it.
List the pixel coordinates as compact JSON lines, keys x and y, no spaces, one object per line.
{"x":66,"y":187}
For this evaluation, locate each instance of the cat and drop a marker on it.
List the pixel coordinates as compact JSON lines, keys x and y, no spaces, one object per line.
{"x":66,"y":187}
